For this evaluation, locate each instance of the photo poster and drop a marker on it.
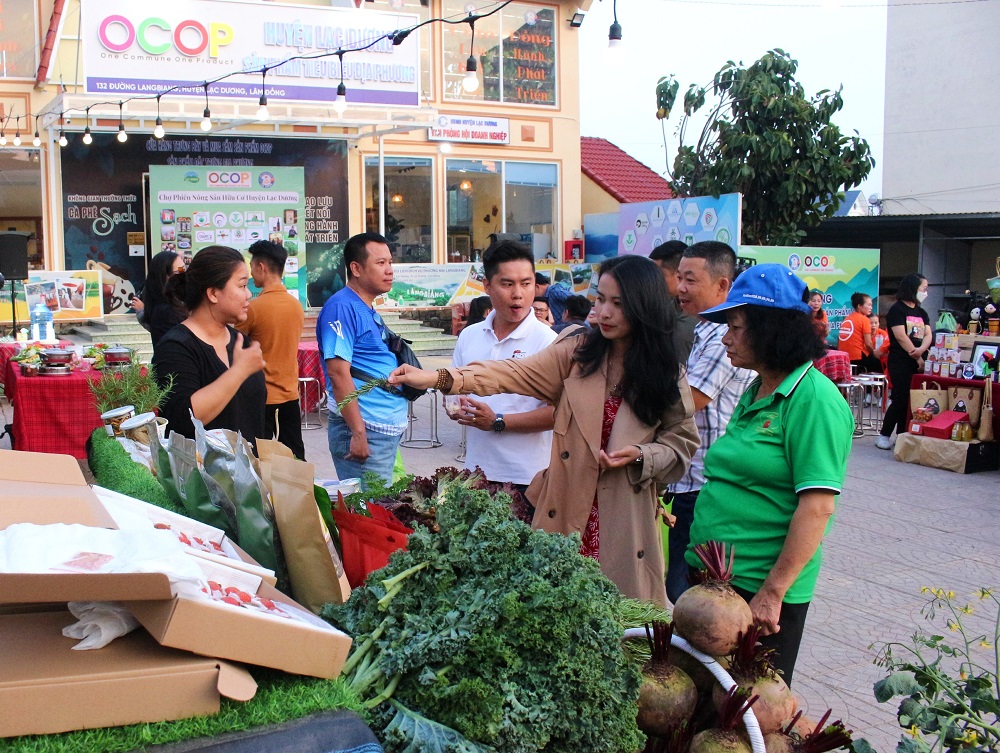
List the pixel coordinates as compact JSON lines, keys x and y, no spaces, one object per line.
{"x":194,"y":207}
{"x":581,"y":278}
{"x":600,"y":237}
{"x":837,"y":273}
{"x":71,"y":295}
{"x":644,"y":226}
{"x":424,"y":284}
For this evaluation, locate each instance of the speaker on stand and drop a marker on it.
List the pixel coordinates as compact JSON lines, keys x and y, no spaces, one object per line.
{"x":13,"y":266}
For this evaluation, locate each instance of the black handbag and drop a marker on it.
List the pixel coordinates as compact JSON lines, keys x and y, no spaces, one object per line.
{"x":400,"y":347}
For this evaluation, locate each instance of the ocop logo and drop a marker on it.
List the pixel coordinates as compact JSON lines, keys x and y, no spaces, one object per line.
{"x":817,"y":262}
{"x":229,"y":180}
{"x":156,"y":36}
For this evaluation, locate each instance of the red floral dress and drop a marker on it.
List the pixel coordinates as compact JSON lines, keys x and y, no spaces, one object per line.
{"x":591,"y":544}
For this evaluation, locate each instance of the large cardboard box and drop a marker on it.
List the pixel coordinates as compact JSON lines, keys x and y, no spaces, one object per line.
{"x":39,"y":488}
{"x":47,"y":687}
{"x":940,"y":426}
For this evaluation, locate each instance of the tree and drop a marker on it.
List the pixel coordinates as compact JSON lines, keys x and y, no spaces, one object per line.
{"x":765,"y":139}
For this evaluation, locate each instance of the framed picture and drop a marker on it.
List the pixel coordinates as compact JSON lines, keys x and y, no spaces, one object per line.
{"x":979,"y":349}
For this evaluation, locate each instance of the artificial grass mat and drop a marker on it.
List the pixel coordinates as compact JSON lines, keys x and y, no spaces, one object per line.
{"x":280,"y":697}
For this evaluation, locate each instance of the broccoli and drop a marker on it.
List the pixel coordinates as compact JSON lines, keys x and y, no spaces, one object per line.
{"x":491,"y":636}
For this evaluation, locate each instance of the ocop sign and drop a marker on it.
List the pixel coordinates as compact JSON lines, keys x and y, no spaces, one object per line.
{"x":155,"y":36}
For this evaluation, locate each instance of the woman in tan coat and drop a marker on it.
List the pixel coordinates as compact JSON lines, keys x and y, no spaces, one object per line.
{"x":623,"y":423}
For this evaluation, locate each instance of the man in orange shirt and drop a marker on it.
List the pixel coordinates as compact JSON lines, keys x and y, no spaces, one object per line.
{"x":274,"y":320}
{"x":855,"y":337}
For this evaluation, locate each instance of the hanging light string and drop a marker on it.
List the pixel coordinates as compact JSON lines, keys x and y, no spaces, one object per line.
{"x":3,"y":130}
{"x":88,"y":139}
{"x":615,"y":32}
{"x":340,"y":103}
{"x":17,"y":130}
{"x":471,"y":81}
{"x":262,"y":113}
{"x":397,"y":37}
{"x":37,"y":141}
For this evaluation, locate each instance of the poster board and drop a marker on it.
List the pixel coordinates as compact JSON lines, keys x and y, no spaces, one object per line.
{"x":581,"y":278}
{"x":837,"y":273}
{"x":71,"y":295}
{"x":644,"y":226}
{"x":423,"y":284}
{"x":197,"y":206}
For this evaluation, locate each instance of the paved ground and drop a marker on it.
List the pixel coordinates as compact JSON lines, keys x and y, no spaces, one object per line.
{"x":899,"y":527}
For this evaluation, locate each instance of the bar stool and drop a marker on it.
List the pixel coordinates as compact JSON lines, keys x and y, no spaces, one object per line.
{"x":431,"y":440}
{"x":854,"y":393}
{"x":873,"y":402}
{"x":460,"y":457}
{"x":305,"y":383}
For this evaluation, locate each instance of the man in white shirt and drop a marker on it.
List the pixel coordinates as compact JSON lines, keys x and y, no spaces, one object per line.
{"x":509,"y":436}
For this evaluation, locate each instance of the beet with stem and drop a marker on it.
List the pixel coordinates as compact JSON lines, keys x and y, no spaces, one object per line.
{"x":820,"y":740}
{"x":667,"y":696}
{"x":729,"y":736}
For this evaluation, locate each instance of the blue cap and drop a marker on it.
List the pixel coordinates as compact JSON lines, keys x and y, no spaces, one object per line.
{"x":771,"y":285}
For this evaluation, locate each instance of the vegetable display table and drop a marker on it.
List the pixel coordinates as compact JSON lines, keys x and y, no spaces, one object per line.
{"x":9,"y":350}
{"x":946,"y":382}
{"x":52,"y":413}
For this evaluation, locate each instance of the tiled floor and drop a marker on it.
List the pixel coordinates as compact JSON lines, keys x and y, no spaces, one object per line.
{"x":899,"y":527}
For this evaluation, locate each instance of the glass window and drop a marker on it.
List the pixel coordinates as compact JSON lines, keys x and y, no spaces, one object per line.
{"x":423,"y":12}
{"x":409,"y":207}
{"x":475,"y":207}
{"x":530,"y":205}
{"x":515,"y":50}
{"x":17,"y":39}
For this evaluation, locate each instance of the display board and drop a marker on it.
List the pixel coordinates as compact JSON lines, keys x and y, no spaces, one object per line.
{"x":423,"y":284}
{"x":581,"y":278}
{"x":644,"y":226}
{"x":195,"y":207}
{"x":837,"y":273}
{"x":600,"y":236}
{"x":71,"y":295}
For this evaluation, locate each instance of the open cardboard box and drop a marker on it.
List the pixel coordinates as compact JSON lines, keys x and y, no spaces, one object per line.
{"x":47,"y":687}
{"x":302,"y":644}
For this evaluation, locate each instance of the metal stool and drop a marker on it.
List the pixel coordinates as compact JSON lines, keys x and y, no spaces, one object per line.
{"x":460,"y":457}
{"x":431,"y":440}
{"x":304,"y":384}
{"x":873,"y":402}
{"x":854,"y":393}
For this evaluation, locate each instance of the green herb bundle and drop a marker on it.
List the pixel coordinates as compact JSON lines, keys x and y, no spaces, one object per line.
{"x":134,"y":385}
{"x":364,"y":389}
{"x":491,"y":636}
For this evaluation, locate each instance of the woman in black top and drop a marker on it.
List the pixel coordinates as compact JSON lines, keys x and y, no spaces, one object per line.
{"x":217,"y":375}
{"x":909,"y":339}
{"x":159,"y":314}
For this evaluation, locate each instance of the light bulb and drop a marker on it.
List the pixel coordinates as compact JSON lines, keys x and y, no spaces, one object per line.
{"x":62,"y":139}
{"x":87,"y":138}
{"x":615,"y":38}
{"x":3,"y":139}
{"x":122,"y":136}
{"x":340,"y":103}
{"x":471,"y":81}
{"x":17,"y":139}
{"x":206,"y":121}
{"x":158,"y":132}
{"x":37,"y":141}
{"x":262,"y":113}
{"x":445,"y":147}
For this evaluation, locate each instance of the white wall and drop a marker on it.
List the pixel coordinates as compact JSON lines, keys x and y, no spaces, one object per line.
{"x":942,"y":109}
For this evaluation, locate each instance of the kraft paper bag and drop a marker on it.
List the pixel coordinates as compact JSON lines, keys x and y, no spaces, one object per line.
{"x":933,"y":453}
{"x":931,"y":396}
{"x":966,"y":400}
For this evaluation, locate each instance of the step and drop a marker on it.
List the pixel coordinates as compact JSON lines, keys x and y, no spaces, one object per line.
{"x":443,"y":343}
{"x":425,"y":334}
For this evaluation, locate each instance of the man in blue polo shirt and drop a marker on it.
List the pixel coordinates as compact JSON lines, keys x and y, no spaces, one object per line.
{"x":352,"y":340}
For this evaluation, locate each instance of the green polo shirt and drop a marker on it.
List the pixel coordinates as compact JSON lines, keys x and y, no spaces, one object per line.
{"x":796,"y":439}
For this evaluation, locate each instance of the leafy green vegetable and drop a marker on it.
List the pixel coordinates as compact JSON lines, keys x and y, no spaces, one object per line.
{"x":364,"y":389}
{"x":502,"y":634}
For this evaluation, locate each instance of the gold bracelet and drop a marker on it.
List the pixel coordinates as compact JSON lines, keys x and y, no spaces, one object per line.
{"x":445,"y":381}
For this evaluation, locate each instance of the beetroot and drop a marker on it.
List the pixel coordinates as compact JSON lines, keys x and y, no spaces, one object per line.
{"x":712,"y":615}
{"x":729,"y":736}
{"x":820,"y":740}
{"x":750,"y":666}
{"x":667,"y":696}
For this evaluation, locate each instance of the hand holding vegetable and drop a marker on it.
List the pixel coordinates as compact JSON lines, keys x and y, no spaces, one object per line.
{"x":421,"y":379}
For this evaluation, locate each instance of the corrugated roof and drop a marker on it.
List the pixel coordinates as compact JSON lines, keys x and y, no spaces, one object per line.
{"x":621,"y":175}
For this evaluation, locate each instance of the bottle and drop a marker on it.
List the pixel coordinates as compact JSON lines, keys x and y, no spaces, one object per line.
{"x":41,"y":322}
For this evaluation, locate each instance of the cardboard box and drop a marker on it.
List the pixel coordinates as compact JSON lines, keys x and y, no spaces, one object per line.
{"x":47,"y":687}
{"x":940,"y":426}
{"x":40,"y":488}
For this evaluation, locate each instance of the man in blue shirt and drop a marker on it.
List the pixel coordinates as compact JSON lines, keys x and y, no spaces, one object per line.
{"x":363,"y":436}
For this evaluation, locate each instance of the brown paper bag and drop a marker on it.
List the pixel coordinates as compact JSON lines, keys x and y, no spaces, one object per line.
{"x":930,"y":396}
{"x":314,"y":567}
{"x":267,"y":449}
{"x":933,"y":453}
{"x":986,"y":416}
{"x":966,"y":400}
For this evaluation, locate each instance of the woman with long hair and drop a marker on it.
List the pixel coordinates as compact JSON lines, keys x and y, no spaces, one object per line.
{"x":218,"y":375}
{"x":856,"y":337}
{"x":479,"y":308}
{"x":159,"y":314}
{"x":623,"y":423}
{"x":909,"y":339}
{"x":820,"y":321}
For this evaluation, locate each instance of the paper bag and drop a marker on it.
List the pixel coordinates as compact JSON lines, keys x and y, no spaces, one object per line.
{"x":933,"y":453}
{"x":966,"y":400}
{"x":986,"y":415}
{"x":930,"y":397}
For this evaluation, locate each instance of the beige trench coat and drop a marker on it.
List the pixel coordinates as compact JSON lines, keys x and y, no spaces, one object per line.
{"x":631,"y":552}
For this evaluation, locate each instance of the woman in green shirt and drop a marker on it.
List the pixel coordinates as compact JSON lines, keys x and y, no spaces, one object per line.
{"x":773,"y":477}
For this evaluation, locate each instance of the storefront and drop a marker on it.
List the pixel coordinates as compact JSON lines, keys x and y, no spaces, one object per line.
{"x":436,"y":165}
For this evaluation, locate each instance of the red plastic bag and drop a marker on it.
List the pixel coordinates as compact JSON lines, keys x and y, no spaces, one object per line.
{"x":367,"y":542}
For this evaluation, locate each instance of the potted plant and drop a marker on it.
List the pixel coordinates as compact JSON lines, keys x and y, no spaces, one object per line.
{"x":132,"y":385}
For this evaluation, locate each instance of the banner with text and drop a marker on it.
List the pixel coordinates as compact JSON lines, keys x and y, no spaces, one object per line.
{"x":132,"y":48}
{"x":195,"y":207}
{"x":644,"y":226}
{"x":470,"y":130}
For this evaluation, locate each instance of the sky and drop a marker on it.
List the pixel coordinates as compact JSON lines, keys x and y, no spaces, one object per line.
{"x":836,"y":44}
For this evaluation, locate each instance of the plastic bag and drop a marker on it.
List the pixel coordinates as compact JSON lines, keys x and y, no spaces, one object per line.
{"x":98,"y":623}
{"x":367,"y":542}
{"x":196,"y":500}
{"x":258,"y":532}
{"x":946,"y":322}
{"x":217,"y":463}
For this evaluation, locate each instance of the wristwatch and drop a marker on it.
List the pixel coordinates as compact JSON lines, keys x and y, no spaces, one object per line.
{"x":499,"y":424}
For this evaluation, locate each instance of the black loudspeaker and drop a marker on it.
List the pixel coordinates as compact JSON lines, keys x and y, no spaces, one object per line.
{"x":14,"y":255}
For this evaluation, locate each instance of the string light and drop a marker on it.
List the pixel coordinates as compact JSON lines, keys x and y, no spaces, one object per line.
{"x":17,"y":132}
{"x":262,"y":113}
{"x":615,"y":32}
{"x":340,"y":103}
{"x":122,"y":136}
{"x":87,"y":138}
{"x":62,"y":131}
{"x":471,"y":81}
{"x":206,"y":121}
{"x":37,"y":141}
{"x":3,"y":131}
{"x":158,"y":132}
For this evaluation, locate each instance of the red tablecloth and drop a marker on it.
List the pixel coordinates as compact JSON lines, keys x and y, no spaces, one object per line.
{"x":945,"y":382}
{"x":52,"y":413}
{"x":836,"y":364}
{"x":311,"y":365}
{"x":9,"y":350}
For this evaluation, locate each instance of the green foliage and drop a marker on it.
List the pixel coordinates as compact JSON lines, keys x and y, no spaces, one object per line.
{"x":502,"y":634}
{"x":115,"y":470}
{"x":279,"y":698}
{"x":134,"y":385}
{"x":767,"y":140}
{"x":950,"y":687}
